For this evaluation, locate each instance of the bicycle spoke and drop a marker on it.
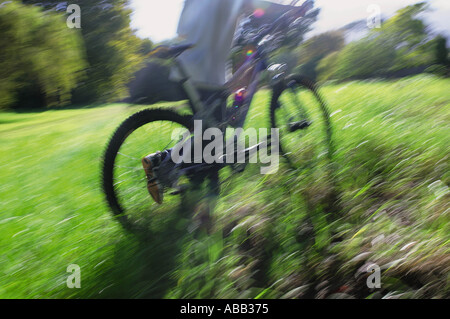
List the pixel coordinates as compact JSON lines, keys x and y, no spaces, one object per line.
{"x":129,"y":181}
{"x":134,"y":158}
{"x":302,"y":119}
{"x":129,"y":167}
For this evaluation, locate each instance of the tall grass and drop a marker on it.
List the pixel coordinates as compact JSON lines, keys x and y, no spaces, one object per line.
{"x":273,"y":236}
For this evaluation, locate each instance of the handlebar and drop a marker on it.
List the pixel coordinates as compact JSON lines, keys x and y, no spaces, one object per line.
{"x":293,"y":13}
{"x":283,"y":21}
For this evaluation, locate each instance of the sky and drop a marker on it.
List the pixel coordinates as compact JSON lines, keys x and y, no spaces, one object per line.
{"x":158,"y":19}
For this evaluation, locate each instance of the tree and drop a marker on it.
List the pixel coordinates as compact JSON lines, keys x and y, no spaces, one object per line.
{"x":112,"y":49}
{"x":365,"y":58}
{"x":441,"y":51}
{"x":405,"y":30}
{"x":327,"y":67}
{"x":408,"y":34}
{"x":41,"y":60}
{"x":401,"y":44}
{"x":145,"y":47}
{"x":439,"y":55}
{"x":315,"y":49}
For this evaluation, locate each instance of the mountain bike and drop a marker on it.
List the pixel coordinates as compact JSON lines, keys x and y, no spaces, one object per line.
{"x":296,"y":109}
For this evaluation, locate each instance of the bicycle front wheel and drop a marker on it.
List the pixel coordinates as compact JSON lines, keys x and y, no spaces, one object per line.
{"x":303,"y":120}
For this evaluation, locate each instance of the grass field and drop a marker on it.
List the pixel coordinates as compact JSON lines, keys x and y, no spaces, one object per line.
{"x":274,"y":236}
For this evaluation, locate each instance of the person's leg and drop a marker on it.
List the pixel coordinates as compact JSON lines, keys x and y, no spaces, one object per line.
{"x":152,"y":162}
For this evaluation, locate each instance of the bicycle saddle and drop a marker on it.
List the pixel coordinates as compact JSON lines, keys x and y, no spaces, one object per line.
{"x":169,"y":51}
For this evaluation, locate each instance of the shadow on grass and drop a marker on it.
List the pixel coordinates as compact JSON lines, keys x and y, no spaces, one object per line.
{"x":145,"y":261}
{"x":147,"y":264}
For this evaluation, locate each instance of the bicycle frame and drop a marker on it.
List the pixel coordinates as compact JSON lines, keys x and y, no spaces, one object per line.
{"x":198,"y":106}
{"x":257,"y":59}
{"x":256,"y":62}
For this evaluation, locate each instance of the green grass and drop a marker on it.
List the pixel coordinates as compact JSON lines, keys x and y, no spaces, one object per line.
{"x":274,"y":236}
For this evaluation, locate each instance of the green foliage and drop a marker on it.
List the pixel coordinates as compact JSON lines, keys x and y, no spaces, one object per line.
{"x":145,"y":47}
{"x":437,"y":69}
{"x":404,"y":29}
{"x":392,"y":168}
{"x":113,"y":52}
{"x":442,"y":62}
{"x":313,"y":50}
{"x":321,"y":45}
{"x":327,"y":67}
{"x":400,"y":44}
{"x":365,"y":58}
{"x":40,"y":58}
{"x":441,"y":51}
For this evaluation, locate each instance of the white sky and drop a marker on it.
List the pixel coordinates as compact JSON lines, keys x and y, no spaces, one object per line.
{"x":158,"y":19}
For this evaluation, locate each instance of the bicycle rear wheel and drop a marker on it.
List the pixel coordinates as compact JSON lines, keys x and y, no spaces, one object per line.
{"x":124,"y":180}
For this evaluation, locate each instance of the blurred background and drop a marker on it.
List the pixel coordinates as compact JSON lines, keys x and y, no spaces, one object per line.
{"x":383,"y":67}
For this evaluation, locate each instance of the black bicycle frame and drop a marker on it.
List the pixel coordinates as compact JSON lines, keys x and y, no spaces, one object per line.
{"x":258,"y":61}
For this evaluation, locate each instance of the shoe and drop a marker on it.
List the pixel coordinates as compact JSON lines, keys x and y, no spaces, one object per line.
{"x":151,"y":165}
